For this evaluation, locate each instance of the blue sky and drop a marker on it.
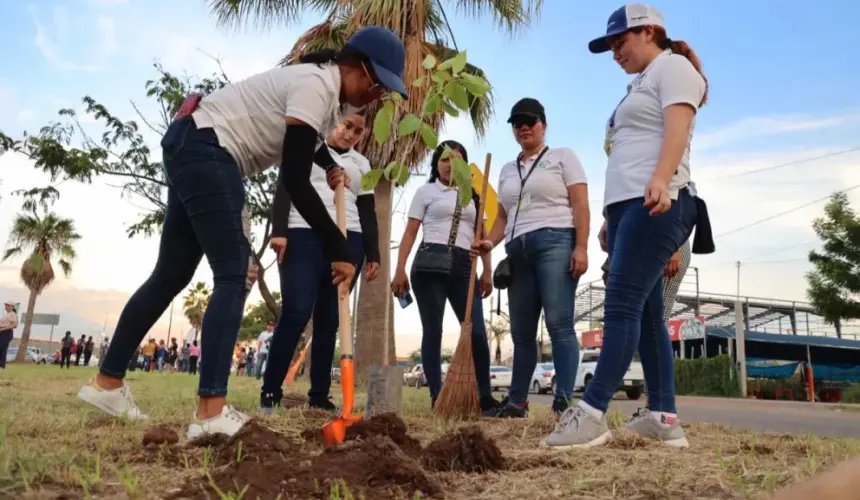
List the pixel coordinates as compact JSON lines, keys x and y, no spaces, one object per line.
{"x":782,"y":89}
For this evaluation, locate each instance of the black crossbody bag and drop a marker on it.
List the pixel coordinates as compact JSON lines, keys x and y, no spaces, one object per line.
{"x":502,"y":274}
{"x":440,"y":262}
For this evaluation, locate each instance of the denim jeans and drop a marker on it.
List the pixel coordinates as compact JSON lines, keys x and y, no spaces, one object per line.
{"x":306,"y":290}
{"x":541,"y":280}
{"x":203,"y":217}
{"x":5,"y":339}
{"x":261,"y":362}
{"x":640,"y":246}
{"x":431,"y":291}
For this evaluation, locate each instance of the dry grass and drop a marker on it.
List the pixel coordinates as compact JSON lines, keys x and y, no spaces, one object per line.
{"x":53,"y":447}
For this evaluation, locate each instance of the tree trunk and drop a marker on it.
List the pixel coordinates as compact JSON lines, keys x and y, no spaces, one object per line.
{"x":370,"y":323}
{"x":270,"y":301}
{"x":21,"y":356}
{"x":498,"y":351}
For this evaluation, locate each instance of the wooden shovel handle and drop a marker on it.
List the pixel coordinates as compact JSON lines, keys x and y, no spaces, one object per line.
{"x":344,"y":324}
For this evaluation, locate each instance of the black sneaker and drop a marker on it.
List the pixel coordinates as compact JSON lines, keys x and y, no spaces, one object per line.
{"x":324,"y":404}
{"x":559,"y":406}
{"x":269,"y":401}
{"x":510,"y":410}
{"x":488,"y":403}
{"x":433,"y":402}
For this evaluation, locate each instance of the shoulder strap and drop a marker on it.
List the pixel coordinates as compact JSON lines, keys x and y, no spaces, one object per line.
{"x":523,"y":184}
{"x":455,"y":222}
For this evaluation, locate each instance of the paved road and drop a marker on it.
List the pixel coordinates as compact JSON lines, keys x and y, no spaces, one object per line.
{"x":764,"y":416}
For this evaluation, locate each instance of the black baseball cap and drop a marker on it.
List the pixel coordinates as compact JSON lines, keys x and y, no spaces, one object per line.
{"x":530,"y":107}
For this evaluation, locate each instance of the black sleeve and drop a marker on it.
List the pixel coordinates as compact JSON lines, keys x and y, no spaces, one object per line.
{"x":281,"y":208}
{"x":296,"y":163}
{"x":369,"y":230}
{"x":282,"y":203}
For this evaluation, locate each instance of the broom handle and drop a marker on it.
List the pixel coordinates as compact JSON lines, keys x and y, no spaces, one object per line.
{"x":479,"y":225}
{"x":344,"y":324}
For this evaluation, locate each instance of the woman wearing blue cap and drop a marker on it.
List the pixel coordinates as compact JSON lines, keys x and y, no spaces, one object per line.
{"x":650,"y":210}
{"x":276,"y":117}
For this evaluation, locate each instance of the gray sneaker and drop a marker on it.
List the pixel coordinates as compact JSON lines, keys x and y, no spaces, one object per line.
{"x":578,"y":429}
{"x":644,"y":424}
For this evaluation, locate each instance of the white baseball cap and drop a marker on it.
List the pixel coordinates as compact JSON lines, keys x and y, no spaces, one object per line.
{"x":627,"y":17}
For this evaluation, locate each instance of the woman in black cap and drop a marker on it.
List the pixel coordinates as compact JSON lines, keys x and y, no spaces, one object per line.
{"x":543,"y":218}
{"x":650,"y":210}
{"x":275,"y":117}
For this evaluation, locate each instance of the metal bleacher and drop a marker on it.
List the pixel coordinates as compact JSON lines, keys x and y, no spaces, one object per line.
{"x":760,"y":314}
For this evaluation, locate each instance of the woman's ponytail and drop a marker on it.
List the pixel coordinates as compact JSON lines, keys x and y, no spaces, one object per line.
{"x":681,"y":48}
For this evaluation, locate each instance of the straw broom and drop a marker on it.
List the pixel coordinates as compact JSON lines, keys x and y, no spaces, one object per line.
{"x":459,"y":395}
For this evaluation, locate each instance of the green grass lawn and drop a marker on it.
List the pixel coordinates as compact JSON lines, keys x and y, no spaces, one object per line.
{"x":52,"y":446}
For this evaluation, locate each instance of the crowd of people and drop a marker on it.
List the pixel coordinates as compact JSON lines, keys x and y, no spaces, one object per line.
{"x":308,"y":118}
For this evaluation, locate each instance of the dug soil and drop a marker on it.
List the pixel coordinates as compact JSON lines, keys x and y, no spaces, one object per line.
{"x":379,"y":460}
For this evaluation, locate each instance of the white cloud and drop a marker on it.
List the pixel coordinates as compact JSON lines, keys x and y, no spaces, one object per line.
{"x":107,"y":29}
{"x":758,"y":126}
{"x":47,"y":47}
{"x":26,"y":115}
{"x":107,"y":3}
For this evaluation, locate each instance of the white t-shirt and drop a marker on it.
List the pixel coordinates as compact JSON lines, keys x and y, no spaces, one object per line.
{"x":248,"y":116}
{"x":355,"y":166}
{"x":262,"y":339}
{"x":434,"y":205}
{"x":637,"y":134}
{"x":545,"y":202}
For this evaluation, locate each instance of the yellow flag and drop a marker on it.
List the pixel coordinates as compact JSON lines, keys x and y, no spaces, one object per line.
{"x":491,"y":203}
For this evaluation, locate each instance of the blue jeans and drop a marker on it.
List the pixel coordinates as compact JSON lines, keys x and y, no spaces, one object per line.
{"x":640,"y":246}
{"x":541,"y":279}
{"x":431,"y":291}
{"x":205,"y":199}
{"x":261,"y":360}
{"x":306,"y":289}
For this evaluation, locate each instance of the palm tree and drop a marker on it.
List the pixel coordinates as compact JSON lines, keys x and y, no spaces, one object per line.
{"x":195,"y":304}
{"x":44,"y":237}
{"x":498,"y":330}
{"x":424,"y":28}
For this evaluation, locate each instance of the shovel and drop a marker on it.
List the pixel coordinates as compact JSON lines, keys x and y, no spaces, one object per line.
{"x":335,"y":431}
{"x":294,"y":368}
{"x":385,"y":384}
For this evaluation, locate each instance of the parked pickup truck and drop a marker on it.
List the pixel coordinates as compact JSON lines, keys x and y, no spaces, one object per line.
{"x":633,"y":383}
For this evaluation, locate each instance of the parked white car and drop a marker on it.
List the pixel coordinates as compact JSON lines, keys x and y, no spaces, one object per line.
{"x":33,"y":355}
{"x":500,"y":378}
{"x":633,"y":383}
{"x":414,"y":377}
{"x":543,"y":379}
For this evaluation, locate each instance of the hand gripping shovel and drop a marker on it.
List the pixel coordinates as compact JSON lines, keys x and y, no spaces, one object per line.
{"x":335,"y":431}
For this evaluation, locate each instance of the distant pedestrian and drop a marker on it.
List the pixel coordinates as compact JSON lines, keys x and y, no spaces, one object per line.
{"x":193,"y":357}
{"x":79,"y":349}
{"x":67,"y":345}
{"x":89,"y":347}
{"x":8,"y":323}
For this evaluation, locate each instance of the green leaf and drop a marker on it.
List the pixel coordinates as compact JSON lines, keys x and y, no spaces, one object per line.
{"x":455,"y":64}
{"x":459,"y":63}
{"x":458,"y":95}
{"x":409,"y":124}
{"x":396,"y":97}
{"x":428,"y":62}
{"x":450,"y":110}
{"x":432,"y":104}
{"x":462,"y":176}
{"x":402,"y":175}
{"x":476,"y":85}
{"x":382,"y":122}
{"x":428,"y":135}
{"x":418,"y":82}
{"x":390,"y":168}
{"x":445,"y":153}
{"x":370,"y":179}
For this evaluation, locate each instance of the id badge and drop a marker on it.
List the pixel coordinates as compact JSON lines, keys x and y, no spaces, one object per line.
{"x":525,"y":201}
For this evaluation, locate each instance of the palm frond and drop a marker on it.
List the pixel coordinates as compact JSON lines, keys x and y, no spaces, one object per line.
{"x":509,"y":15}
{"x":264,"y":14}
{"x":67,"y":267}
{"x":12,"y":252}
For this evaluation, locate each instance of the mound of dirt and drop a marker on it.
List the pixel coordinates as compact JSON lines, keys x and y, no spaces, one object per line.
{"x":293,"y":400}
{"x":389,"y":425}
{"x":157,"y":436}
{"x":466,"y":450}
{"x":273,"y":465}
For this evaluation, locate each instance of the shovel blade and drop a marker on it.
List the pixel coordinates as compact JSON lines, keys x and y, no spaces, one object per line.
{"x":334,"y":432}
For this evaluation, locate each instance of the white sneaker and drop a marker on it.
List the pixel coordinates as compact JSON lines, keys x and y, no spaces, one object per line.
{"x":116,"y":402}
{"x":228,"y":422}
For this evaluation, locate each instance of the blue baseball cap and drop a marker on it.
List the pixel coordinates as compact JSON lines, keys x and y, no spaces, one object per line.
{"x":386,"y":53}
{"x":627,"y":17}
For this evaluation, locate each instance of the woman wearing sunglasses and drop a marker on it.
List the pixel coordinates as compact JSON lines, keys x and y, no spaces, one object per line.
{"x":650,"y":211}
{"x":306,"y":285}
{"x":275,"y":117}
{"x":543,"y":218}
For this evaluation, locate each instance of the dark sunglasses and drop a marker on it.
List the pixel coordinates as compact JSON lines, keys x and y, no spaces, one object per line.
{"x":523,"y":121}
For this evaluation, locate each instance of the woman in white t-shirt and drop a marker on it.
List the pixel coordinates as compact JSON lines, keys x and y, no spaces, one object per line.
{"x":441,"y":270}
{"x":543,"y":219}
{"x":8,"y":323}
{"x":275,"y":117}
{"x":305,"y":270}
{"x":650,"y":210}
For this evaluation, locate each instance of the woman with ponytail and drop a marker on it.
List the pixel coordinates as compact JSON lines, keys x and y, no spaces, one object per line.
{"x":650,"y":207}
{"x":441,"y":267}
